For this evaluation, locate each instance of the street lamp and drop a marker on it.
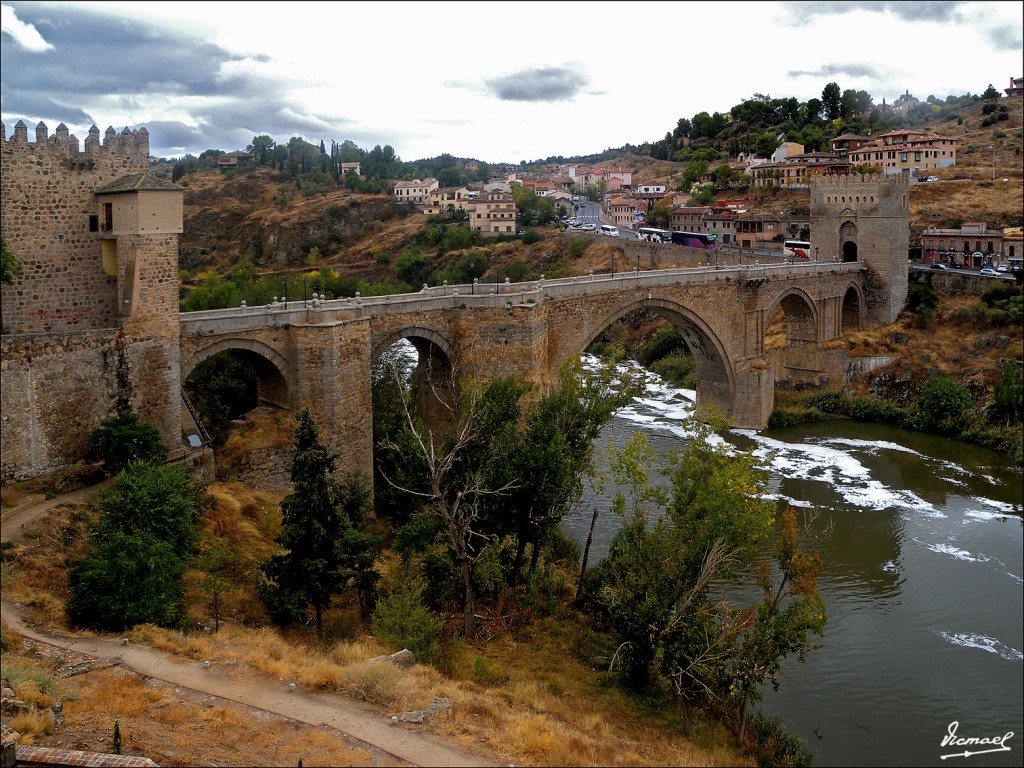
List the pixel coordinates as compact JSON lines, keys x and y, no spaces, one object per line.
{"x":284,"y":281}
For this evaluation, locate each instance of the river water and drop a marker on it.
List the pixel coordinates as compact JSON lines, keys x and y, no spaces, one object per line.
{"x":923,"y":580}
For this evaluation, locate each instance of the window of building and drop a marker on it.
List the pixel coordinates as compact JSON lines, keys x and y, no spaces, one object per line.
{"x":108,"y":216}
{"x":94,"y":222}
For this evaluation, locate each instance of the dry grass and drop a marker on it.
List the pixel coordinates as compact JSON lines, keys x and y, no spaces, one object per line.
{"x":30,"y":726}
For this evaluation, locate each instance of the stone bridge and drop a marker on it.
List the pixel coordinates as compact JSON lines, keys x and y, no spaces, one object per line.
{"x":320,"y":353}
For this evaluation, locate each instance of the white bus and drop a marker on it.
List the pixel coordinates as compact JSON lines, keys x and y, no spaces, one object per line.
{"x":796,"y":249}
{"x":653,"y":235}
{"x":608,"y":229}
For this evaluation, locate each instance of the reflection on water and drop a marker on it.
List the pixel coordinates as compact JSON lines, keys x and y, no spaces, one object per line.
{"x":923,"y":579}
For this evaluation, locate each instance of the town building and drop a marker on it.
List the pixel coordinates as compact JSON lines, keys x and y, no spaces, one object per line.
{"x":492,"y":213}
{"x":415,"y":191}
{"x":907,"y":152}
{"x":972,"y":237}
{"x":444,"y":200}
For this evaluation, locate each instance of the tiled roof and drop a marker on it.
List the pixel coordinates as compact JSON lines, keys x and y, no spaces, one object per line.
{"x":138,"y":182}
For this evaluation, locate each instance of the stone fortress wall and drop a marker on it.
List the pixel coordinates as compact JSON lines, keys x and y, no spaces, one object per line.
{"x":90,"y":327}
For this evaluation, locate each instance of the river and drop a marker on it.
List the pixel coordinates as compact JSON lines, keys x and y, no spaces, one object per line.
{"x":922,"y":580}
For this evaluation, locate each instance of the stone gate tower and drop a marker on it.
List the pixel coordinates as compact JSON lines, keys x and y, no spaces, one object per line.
{"x":93,"y":315}
{"x":865,"y":218}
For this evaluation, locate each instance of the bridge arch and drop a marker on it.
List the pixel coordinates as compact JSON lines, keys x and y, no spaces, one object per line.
{"x":851,"y":316}
{"x":436,"y":363}
{"x":271,"y":367}
{"x":716,"y":382}
{"x":419,"y":336}
{"x":796,"y":356}
{"x":801,"y":315}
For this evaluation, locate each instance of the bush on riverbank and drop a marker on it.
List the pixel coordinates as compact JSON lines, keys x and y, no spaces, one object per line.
{"x":929,"y":414}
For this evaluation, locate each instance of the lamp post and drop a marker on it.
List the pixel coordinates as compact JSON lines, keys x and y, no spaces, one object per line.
{"x":284,"y":281}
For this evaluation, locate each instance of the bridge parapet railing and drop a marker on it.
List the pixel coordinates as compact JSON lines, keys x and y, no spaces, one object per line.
{"x":507,"y":294}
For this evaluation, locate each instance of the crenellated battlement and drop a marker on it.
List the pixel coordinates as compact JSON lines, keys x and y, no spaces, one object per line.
{"x":849,"y":181}
{"x":127,"y":143}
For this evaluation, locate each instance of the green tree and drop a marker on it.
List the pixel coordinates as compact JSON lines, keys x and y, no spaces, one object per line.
{"x":657,"y":577}
{"x":661,"y":212}
{"x":315,"y":517}
{"x":221,"y":568}
{"x":263,"y":147}
{"x":161,"y":500}
{"x":790,"y":611}
{"x":831,"y":101}
{"x":123,"y":439}
{"x":128,"y":579}
{"x":133,"y":573}
{"x":766,"y":144}
{"x":413,"y":268}
{"x":461,"y":464}
{"x":554,"y":452}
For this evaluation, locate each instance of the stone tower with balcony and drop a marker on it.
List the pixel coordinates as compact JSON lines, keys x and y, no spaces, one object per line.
{"x":93,"y":314}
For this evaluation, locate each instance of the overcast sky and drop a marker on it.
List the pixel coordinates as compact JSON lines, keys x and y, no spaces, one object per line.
{"x":500,"y":82}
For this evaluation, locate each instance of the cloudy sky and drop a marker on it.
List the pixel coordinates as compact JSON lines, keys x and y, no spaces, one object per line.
{"x":501,"y":82}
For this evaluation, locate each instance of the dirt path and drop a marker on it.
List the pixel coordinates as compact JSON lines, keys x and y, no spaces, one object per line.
{"x":405,"y":742}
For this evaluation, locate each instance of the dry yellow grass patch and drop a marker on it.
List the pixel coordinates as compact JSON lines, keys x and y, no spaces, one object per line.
{"x":30,"y":726}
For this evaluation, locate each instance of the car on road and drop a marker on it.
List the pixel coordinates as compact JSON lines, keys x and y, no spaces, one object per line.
{"x":588,"y":227}
{"x":942,"y":267}
{"x":1002,"y":268}
{"x":988,"y":272}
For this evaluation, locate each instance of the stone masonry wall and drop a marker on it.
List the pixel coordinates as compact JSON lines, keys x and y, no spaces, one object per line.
{"x":47,"y":197}
{"x":81,"y":340}
{"x":872,"y":212}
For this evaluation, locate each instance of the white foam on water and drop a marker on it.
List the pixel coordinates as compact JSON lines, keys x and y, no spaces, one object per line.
{"x":982,"y":642}
{"x":948,"y":549}
{"x":844,"y":472}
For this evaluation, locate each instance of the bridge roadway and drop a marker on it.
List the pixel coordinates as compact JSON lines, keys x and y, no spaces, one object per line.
{"x":320,"y":353}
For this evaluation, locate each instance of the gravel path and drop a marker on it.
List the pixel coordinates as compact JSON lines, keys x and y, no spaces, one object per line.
{"x":407,"y":743}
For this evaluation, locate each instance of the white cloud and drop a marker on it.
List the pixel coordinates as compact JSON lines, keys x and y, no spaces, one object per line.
{"x":500,"y":81}
{"x":23,"y":34}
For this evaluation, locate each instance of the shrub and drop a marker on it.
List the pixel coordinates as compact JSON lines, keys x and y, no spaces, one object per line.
{"x":829,"y":401}
{"x":403,"y":620}
{"x":1007,"y":404}
{"x":576,"y":247}
{"x":662,"y":342}
{"x":121,"y":439}
{"x":943,"y":400}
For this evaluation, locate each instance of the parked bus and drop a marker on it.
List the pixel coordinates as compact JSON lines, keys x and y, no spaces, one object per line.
{"x":695,"y":239}
{"x":608,"y":229}
{"x":796,"y":249}
{"x":653,"y":235}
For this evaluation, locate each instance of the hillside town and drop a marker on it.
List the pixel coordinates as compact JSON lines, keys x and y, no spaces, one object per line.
{"x":925,"y":157}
